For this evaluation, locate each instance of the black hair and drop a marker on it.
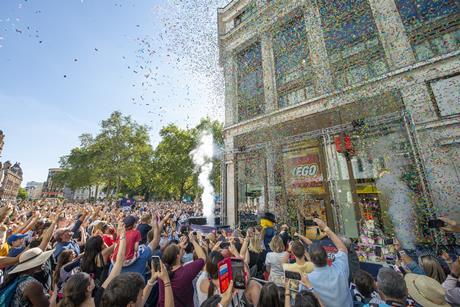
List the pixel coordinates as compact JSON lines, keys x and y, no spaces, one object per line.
{"x":364,"y":283}
{"x":211,"y":268}
{"x":271,"y":296}
{"x":92,"y":249}
{"x":318,"y":255}
{"x":122,"y":290}
{"x":75,"y":290}
{"x":306,"y":299}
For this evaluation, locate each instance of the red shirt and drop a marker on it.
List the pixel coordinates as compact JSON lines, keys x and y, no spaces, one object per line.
{"x":108,"y":239}
{"x":133,"y":236}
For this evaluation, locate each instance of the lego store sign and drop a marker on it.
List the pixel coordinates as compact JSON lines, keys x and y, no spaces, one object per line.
{"x":302,"y":170}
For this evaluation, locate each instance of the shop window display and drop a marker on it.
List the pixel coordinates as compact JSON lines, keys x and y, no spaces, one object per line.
{"x":251,"y":174}
{"x":376,"y":187}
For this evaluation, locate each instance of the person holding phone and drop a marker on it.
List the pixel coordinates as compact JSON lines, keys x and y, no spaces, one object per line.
{"x":181,"y":276}
{"x":330,"y":282}
{"x":301,"y":264}
{"x":208,"y":282}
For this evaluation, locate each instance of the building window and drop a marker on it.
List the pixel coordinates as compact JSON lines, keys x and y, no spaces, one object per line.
{"x":250,"y":83}
{"x":247,"y":12}
{"x":446,"y":95}
{"x":292,"y":62}
{"x":352,"y":41}
{"x":432,"y":26}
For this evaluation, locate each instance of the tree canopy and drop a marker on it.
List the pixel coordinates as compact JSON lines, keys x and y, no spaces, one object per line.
{"x":121,"y":159}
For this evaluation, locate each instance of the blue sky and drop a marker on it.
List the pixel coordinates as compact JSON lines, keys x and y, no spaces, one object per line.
{"x":65,"y":65}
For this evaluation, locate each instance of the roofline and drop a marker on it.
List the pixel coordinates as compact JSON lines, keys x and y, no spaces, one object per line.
{"x":228,"y":6}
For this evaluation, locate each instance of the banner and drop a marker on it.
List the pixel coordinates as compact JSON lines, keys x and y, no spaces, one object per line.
{"x":303,"y":170}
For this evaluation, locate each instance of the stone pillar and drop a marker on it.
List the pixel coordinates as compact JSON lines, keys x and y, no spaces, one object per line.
{"x":231,"y":114}
{"x":268,"y":68}
{"x":231,"y":181}
{"x":396,"y":44}
{"x":417,"y":101}
{"x":318,"y":52}
{"x":271,"y":161}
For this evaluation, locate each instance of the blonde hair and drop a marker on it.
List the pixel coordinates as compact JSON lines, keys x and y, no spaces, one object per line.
{"x":432,"y":268}
{"x":277,"y":245}
{"x":255,"y":244}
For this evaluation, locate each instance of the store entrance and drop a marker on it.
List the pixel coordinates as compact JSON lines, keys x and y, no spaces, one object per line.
{"x":375,"y":181}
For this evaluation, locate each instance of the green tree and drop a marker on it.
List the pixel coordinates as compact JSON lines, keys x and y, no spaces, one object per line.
{"x":172,"y":165}
{"x":22,"y":193}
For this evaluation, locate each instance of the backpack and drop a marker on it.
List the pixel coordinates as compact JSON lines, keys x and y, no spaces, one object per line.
{"x":7,"y":293}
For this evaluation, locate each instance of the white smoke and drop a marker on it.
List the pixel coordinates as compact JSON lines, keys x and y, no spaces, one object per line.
{"x":202,"y":158}
{"x":399,"y":196}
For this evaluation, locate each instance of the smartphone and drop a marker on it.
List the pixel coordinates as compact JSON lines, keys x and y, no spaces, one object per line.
{"x":224,"y":245}
{"x":231,"y":269}
{"x":378,"y":251}
{"x":238,"y":275}
{"x":388,"y":241}
{"x":156,"y":263}
{"x":309,"y":223}
{"x":292,"y":275}
{"x":436,"y":223}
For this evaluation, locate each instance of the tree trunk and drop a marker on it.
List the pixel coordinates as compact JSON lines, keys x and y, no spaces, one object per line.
{"x":97,"y":192}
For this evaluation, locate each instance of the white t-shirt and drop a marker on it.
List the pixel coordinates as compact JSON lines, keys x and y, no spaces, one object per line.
{"x":276,"y":266}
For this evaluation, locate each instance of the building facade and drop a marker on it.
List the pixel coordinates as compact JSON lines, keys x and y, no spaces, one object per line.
{"x":11,"y":180}
{"x":34,"y":189}
{"x":347,"y":110}
{"x":50,"y":188}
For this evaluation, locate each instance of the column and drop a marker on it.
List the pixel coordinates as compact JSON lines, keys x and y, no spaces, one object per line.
{"x":271,"y":161}
{"x":417,"y":101}
{"x":318,"y":52}
{"x":230,"y":89}
{"x":268,"y":68}
{"x":230,"y":197}
{"x":396,"y":45}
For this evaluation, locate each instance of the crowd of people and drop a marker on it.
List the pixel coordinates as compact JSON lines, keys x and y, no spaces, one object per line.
{"x":66,"y":254}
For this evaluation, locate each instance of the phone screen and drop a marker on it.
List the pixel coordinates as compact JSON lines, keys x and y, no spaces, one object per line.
{"x":239,"y":281}
{"x":292,"y":275}
{"x":156,"y":263}
{"x":436,"y":223}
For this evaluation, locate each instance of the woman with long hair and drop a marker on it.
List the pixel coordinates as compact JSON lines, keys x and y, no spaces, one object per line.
{"x":181,"y":277}
{"x":432,"y":268}
{"x":94,"y":261}
{"x":67,"y":263}
{"x":275,"y":259}
{"x":208,"y":282}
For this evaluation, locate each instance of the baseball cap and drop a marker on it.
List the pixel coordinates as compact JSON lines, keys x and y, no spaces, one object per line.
{"x":15,"y":237}
{"x":129,"y":221}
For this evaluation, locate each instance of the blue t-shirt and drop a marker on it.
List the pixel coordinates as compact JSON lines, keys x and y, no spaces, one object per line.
{"x":140,"y":265}
{"x":331,"y":282}
{"x":61,"y":246}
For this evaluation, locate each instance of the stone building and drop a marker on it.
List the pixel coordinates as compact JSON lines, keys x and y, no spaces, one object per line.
{"x":34,"y":189}
{"x":347,"y":110}
{"x":11,"y":180}
{"x":50,"y":188}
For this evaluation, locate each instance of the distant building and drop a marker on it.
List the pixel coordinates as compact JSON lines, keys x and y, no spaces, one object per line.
{"x":34,"y":189}
{"x":2,"y":142}
{"x":84,"y":194}
{"x":50,"y":188}
{"x":11,"y":180}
